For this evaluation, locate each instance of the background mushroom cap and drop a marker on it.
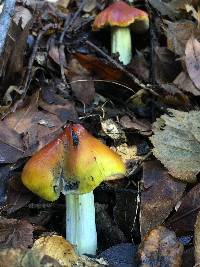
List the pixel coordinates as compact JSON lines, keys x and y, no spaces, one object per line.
{"x":88,"y":161}
{"x":119,"y":14}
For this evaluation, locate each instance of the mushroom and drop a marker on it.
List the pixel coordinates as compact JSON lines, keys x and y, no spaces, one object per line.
{"x":84,"y":162}
{"x":120,"y":16}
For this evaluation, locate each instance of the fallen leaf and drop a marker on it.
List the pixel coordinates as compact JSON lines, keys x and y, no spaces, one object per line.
{"x":15,"y":233}
{"x":176,"y":143}
{"x":178,"y":33}
{"x":25,"y":258}
{"x":184,"y":83}
{"x":17,"y":195}
{"x":113,"y":130}
{"x":160,"y":247}
{"x":197,"y":240}
{"x":99,"y":67}
{"x":166,"y":66}
{"x":159,"y":196}
{"x":192,"y":60}
{"x":83,"y":89}
{"x":182,"y":222}
{"x":11,"y":145}
{"x":58,"y":248}
{"x":22,"y":15}
{"x":143,"y":126}
{"x":126,"y":152}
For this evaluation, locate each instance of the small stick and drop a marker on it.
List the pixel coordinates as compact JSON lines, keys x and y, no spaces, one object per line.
{"x":33,"y":55}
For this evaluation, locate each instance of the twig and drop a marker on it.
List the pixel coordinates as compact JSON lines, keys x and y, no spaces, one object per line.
{"x":33,"y":55}
{"x":68,"y":24}
{"x":5,"y":20}
{"x":120,"y":67}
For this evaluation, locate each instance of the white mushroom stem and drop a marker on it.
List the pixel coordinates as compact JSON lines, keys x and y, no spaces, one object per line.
{"x":121,"y":43}
{"x":80,"y":223}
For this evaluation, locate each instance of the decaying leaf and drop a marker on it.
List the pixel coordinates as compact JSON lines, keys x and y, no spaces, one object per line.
{"x":184,"y":83}
{"x":192,"y":60}
{"x":197,"y":241}
{"x":160,"y":195}
{"x":25,"y":258}
{"x":182,"y":222}
{"x":113,"y":130}
{"x":15,"y":233}
{"x":176,"y":143}
{"x":11,"y":145}
{"x":160,"y":248}
{"x":178,"y":33}
{"x":58,"y":248}
{"x":126,"y":152}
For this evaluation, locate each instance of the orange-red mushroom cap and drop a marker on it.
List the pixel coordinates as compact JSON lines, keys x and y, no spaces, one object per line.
{"x":119,"y":14}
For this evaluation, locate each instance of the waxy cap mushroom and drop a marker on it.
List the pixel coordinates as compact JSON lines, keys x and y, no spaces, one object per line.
{"x":119,"y":16}
{"x":88,"y":161}
{"x":41,"y":174}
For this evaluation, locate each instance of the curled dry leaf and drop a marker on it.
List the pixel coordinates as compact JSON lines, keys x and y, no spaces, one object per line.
{"x":160,"y":248}
{"x":161,"y":193}
{"x":197,"y":241}
{"x":15,"y":233}
{"x":192,"y":60}
{"x":176,"y":143}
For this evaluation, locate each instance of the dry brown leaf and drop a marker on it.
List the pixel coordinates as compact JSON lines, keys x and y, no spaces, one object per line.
{"x":178,"y":33}
{"x":126,"y":152}
{"x":25,"y":258}
{"x":176,"y":143}
{"x":160,"y":248}
{"x":197,"y":241}
{"x":15,"y":233}
{"x":192,"y":60}
{"x":58,"y":248}
{"x":159,"y":196}
{"x":11,"y":145}
{"x":184,"y":83}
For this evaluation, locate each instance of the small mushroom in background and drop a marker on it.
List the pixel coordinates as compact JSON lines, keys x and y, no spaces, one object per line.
{"x":75,"y":163}
{"x":120,"y":16}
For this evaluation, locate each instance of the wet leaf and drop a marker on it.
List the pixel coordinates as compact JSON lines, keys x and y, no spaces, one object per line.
{"x":182,"y":222}
{"x":192,"y":60}
{"x":176,"y":143}
{"x":143,"y":126}
{"x":159,"y":196}
{"x":15,"y":233}
{"x":160,"y":248}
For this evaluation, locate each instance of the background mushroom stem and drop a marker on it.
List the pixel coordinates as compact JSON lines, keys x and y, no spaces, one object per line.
{"x":121,"y":43}
{"x":80,"y":220}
